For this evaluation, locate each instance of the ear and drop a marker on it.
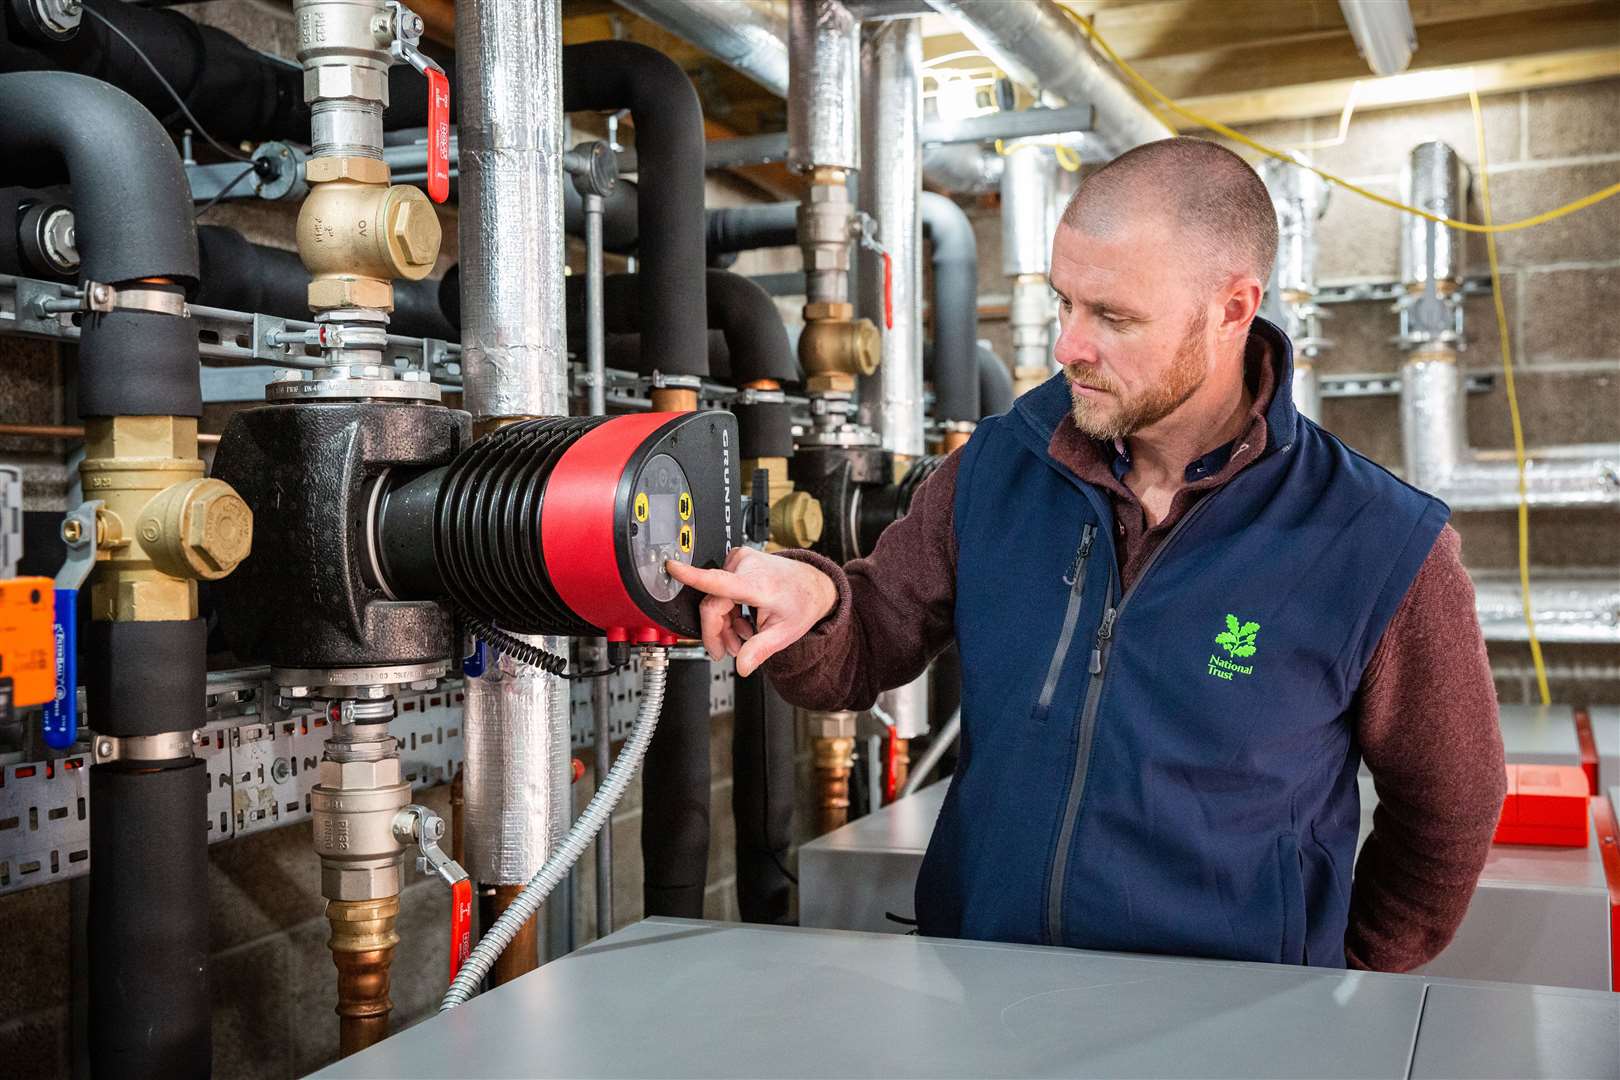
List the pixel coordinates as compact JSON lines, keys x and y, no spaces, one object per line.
{"x":1240,"y":303}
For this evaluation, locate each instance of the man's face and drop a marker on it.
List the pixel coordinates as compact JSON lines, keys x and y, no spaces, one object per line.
{"x":1134,"y":342}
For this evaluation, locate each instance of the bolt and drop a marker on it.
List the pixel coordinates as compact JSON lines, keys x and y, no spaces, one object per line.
{"x":218,"y":526}
{"x":417,"y":230}
{"x":105,"y":748}
{"x":196,"y":736}
{"x":72,"y":531}
{"x":280,"y":771}
{"x":416,"y":25}
{"x":433,"y":828}
{"x":99,"y":294}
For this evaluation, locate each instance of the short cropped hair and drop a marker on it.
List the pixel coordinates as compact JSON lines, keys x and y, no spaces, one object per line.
{"x":1217,"y":200}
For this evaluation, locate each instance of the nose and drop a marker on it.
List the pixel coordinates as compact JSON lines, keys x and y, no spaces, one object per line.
{"x":1074,"y":346}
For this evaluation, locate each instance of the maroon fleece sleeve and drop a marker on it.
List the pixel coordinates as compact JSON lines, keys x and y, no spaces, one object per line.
{"x":895,"y":609}
{"x":1427,"y":723}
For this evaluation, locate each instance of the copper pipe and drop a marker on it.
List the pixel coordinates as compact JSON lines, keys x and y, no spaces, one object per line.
{"x":362,"y":944}
{"x":674,"y":399}
{"x":833,"y":759}
{"x":65,"y":431}
{"x":954,"y":440}
{"x":523,"y":955}
{"x":458,"y":814}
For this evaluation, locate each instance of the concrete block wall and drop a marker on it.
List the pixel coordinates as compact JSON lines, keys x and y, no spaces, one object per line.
{"x":1561,"y":287}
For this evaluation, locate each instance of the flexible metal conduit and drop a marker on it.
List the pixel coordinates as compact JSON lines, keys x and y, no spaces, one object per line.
{"x":1039,"y":46}
{"x":654,"y":669}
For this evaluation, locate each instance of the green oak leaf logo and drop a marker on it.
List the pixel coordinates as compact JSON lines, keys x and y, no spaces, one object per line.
{"x":1238,"y":638}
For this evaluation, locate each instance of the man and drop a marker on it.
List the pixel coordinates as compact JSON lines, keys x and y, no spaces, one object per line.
{"x":1186,"y":615}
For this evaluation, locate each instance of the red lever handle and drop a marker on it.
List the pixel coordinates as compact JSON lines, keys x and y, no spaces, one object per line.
{"x":888,"y":292}
{"x":461,"y":899}
{"x":438,"y":170}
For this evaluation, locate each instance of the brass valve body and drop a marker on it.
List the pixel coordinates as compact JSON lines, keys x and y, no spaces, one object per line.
{"x":356,"y":234}
{"x":796,"y":517}
{"x":162,"y":526}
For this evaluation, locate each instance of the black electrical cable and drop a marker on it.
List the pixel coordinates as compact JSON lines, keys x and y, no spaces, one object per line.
{"x":224,"y":191}
{"x":525,"y":652}
{"x":136,"y":49}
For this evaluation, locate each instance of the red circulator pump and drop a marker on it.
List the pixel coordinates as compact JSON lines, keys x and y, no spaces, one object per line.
{"x":564,"y":526}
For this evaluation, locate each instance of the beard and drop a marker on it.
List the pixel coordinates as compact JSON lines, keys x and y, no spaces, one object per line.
{"x":1116,"y":416}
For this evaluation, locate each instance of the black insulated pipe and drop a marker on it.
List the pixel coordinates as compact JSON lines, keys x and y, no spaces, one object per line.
{"x":954,"y":255}
{"x":148,"y":848}
{"x":234,"y":91}
{"x":669,"y":150}
{"x":245,"y":276}
{"x":762,"y":798}
{"x":995,"y":385}
{"x":675,"y":797}
{"x":743,"y":228}
{"x":620,"y":223}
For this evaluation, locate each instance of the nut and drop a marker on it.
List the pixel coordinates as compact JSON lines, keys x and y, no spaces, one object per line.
{"x":416,"y":229}
{"x":359,"y":775}
{"x":218,"y":528}
{"x":320,"y":170}
{"x":836,"y":382}
{"x":328,"y":293}
{"x":796,"y":520}
{"x":72,"y":531}
{"x":343,"y":80}
{"x":829,"y":725}
{"x":822,"y":309}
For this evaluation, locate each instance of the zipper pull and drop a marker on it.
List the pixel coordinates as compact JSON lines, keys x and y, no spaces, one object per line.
{"x":1087,"y":536}
{"x":1104,"y":632}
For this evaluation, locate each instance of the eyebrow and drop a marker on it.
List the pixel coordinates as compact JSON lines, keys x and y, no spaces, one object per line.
{"x":1100,"y":305}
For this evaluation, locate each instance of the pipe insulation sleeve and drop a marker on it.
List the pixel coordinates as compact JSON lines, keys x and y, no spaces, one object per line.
{"x":668,"y":118}
{"x":675,"y":797}
{"x":955,"y":260}
{"x":995,"y":385}
{"x":654,"y":671}
{"x":133,"y":205}
{"x":148,"y":925}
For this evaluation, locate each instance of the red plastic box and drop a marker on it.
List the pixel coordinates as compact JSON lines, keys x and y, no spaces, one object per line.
{"x":1546,"y":805}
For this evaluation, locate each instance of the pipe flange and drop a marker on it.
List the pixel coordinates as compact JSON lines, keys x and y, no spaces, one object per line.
{"x":301,"y":389}
{"x":349,"y":682}
{"x":593,"y":168}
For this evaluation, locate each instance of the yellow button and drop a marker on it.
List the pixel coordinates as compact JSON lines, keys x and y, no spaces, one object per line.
{"x":686,"y":538}
{"x":641,"y":506}
{"x":686,"y":505}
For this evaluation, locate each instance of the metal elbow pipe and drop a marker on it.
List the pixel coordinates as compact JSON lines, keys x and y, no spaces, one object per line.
{"x":995,"y":384}
{"x":669,"y":131}
{"x":955,"y":259}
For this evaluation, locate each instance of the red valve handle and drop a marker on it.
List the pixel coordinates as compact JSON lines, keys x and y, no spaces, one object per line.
{"x":888,"y":292}
{"x":461,"y":902}
{"x":438,"y":171}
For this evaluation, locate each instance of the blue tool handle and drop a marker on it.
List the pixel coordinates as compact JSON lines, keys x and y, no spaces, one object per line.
{"x":62,"y":712}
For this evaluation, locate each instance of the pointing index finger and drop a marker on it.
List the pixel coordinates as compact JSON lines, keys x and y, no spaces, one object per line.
{"x":714,"y":582}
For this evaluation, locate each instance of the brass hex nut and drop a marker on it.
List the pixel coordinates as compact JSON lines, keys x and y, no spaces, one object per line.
{"x":413,"y":228}
{"x":796,"y":520}
{"x":823,"y":309}
{"x":328,"y":293}
{"x":362,"y":170}
{"x":835,"y":383}
{"x":197,"y":529}
{"x":829,"y":725}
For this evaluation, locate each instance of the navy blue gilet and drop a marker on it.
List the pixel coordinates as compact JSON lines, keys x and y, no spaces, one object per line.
{"x":1168,"y":769}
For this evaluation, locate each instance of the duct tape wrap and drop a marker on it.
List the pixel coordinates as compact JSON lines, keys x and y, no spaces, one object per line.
{"x":748,"y":35}
{"x":891,"y":109}
{"x":1027,"y":184}
{"x":823,"y":100}
{"x":1574,"y":610}
{"x":516,"y":773}
{"x":513,"y":341}
{"x":1433,"y":179}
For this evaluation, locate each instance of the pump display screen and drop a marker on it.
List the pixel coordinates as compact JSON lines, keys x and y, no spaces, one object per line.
{"x":662,"y":524}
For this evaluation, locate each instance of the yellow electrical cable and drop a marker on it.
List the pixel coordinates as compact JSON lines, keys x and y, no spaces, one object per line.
{"x":1149,"y":90}
{"x":1513,"y":402}
{"x":1067,"y":159}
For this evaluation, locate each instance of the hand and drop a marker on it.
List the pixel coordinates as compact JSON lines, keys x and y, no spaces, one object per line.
{"x":788,"y":598}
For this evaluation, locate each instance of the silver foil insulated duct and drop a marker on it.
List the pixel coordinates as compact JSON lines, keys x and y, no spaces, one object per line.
{"x":514,"y":356}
